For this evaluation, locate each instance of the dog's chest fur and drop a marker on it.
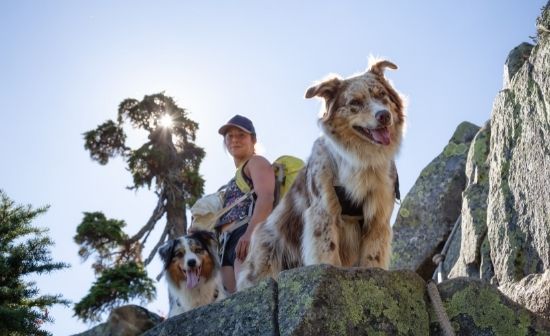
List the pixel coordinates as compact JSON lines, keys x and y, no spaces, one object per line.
{"x":187,"y":299}
{"x":360,"y":178}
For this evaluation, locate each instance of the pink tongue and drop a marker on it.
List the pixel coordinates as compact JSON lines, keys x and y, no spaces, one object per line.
{"x":192,"y":279}
{"x":381,"y":135}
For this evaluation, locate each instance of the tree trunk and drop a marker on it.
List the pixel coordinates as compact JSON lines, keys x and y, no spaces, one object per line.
{"x":176,"y":218}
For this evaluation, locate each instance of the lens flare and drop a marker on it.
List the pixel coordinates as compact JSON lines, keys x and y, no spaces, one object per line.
{"x":166,"y":121}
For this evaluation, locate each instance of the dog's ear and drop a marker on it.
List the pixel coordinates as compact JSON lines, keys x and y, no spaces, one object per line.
{"x":166,"y":251}
{"x":378,"y":67}
{"x":326,"y":89}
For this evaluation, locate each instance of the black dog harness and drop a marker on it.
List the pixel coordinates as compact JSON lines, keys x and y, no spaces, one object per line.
{"x":350,"y":208}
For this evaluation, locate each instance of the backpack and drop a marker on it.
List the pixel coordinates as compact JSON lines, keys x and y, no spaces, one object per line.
{"x":205,"y":211}
{"x":285,"y":168}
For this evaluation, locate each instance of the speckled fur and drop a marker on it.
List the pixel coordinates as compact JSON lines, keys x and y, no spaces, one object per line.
{"x":308,"y":227}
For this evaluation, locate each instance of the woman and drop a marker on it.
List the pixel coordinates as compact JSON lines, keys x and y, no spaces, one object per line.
{"x":238,"y":223}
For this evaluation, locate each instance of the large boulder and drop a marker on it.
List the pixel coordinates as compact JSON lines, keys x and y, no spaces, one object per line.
{"x":472,"y":258}
{"x":431,"y":208}
{"x":518,"y":217}
{"x":325,"y":300}
{"x":328,"y":300}
{"x":505,"y":230}
{"x":476,"y":308}
{"x":250,"y":312}
{"x":129,"y":320}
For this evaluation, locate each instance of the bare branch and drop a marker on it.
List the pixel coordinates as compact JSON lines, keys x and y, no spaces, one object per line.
{"x":155,"y":217}
{"x":156,"y":247}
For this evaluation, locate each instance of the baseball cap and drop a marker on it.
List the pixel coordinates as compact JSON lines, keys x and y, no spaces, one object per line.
{"x":240,"y":122}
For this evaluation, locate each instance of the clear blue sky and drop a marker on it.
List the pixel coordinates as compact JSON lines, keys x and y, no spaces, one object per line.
{"x":66,"y":65}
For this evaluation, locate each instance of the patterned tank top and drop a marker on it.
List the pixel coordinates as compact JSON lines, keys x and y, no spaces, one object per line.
{"x":238,"y":212}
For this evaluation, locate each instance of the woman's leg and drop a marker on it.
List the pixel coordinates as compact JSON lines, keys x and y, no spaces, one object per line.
{"x":231,"y":266}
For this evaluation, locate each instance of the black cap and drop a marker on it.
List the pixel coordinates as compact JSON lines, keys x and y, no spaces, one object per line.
{"x":240,"y":122}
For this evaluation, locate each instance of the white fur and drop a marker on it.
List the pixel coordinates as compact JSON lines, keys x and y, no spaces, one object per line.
{"x":187,"y":299}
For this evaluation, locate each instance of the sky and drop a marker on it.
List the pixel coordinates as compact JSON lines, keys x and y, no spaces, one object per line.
{"x":66,"y":65}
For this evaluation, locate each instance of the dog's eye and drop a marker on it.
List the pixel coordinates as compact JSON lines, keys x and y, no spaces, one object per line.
{"x":197,"y":249}
{"x":356,"y":102}
{"x":179,"y":254}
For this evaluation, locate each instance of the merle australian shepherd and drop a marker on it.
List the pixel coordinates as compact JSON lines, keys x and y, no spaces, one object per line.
{"x":192,"y":270}
{"x":338,"y":209}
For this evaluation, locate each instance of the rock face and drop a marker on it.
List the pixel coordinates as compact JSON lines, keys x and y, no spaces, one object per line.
{"x":326,"y":300}
{"x":518,"y":216}
{"x":504,"y":233}
{"x":477,"y":308}
{"x":472,"y":257}
{"x":430,"y":210}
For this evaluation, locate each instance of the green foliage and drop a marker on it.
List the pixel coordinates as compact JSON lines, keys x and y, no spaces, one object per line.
{"x":114,"y":287}
{"x":105,"y":142}
{"x":105,"y":237}
{"x":24,"y":250}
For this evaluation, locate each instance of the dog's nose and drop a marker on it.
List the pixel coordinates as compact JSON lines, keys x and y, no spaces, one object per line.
{"x":191,"y":263}
{"x":383,"y":117}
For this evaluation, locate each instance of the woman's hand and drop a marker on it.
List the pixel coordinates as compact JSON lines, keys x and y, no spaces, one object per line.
{"x":241,"y":250}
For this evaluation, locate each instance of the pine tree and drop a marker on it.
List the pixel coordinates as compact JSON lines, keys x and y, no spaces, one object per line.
{"x":169,"y":162}
{"x":24,"y":251}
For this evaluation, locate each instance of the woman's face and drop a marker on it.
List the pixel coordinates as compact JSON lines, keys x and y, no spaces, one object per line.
{"x":239,"y":143}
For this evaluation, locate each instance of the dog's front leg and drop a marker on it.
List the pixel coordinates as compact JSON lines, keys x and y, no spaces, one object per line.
{"x":376,"y":241}
{"x":320,"y":238}
{"x":320,"y":241}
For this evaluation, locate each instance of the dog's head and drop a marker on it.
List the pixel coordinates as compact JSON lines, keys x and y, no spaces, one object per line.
{"x":364,"y":114}
{"x":190,"y":258}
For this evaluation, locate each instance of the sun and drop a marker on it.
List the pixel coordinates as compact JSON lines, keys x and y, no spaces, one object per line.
{"x":166,"y":121}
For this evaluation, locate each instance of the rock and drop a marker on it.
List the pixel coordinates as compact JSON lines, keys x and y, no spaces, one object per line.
{"x":130,"y":320}
{"x":250,"y":312}
{"x":515,"y":61}
{"x":328,"y":300}
{"x":325,"y":300}
{"x":518,"y":217}
{"x":430,"y":210}
{"x":477,"y":308}
{"x":468,"y":259}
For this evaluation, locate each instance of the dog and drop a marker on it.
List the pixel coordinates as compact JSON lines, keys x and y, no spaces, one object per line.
{"x":338,"y":209}
{"x":192,"y":270}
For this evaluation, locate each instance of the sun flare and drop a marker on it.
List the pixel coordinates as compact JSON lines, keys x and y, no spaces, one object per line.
{"x":166,"y":121}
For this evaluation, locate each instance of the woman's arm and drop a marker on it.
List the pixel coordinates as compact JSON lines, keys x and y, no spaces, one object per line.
{"x":263,"y":179}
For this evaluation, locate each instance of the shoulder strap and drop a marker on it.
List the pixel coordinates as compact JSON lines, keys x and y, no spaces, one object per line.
{"x":243,"y":182}
{"x":231,"y":206}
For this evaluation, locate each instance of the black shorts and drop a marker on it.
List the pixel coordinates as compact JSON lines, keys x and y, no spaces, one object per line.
{"x":229,"y":254}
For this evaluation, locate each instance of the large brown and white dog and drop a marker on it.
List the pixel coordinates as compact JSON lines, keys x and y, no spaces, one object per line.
{"x":192,"y":270}
{"x":338,"y":209}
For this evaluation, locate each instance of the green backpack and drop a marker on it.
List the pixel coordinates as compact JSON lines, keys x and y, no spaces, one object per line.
{"x":285,"y":168}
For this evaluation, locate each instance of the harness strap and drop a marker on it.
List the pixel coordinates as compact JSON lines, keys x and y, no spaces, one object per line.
{"x":224,"y":236}
{"x":232,"y":205}
{"x":349,"y":207}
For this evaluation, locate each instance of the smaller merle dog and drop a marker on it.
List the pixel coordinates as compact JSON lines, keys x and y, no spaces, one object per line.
{"x":192,"y":270}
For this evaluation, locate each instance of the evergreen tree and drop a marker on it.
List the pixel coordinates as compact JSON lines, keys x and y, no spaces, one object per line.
{"x":169,"y":162}
{"x":24,"y":251}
